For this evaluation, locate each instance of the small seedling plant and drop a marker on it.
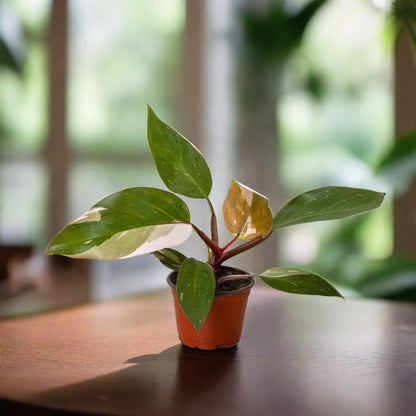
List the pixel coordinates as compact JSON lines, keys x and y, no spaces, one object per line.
{"x":150,"y":220}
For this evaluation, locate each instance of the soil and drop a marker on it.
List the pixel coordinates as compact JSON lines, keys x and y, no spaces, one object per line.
{"x":228,"y":285}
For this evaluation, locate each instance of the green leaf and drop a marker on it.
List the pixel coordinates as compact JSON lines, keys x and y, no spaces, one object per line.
{"x":195,"y":289}
{"x":246,"y":212}
{"x":170,"y":258}
{"x":181,"y":166}
{"x":327,"y":203}
{"x":125,"y":224}
{"x":301,"y":282}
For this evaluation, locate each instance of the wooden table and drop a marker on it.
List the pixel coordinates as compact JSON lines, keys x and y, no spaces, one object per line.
{"x":298,"y":356}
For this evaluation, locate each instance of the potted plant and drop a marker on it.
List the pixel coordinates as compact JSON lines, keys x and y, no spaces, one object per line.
{"x":210,"y":298}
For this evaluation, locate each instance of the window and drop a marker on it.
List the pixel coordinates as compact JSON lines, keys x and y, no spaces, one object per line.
{"x":121,"y":55}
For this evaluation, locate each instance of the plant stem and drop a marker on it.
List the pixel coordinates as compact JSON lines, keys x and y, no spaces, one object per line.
{"x":230,"y":243}
{"x":216,"y":250}
{"x":214,"y":225}
{"x":243,"y":247}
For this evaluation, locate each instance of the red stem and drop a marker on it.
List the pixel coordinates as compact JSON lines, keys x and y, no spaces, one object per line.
{"x":240,"y":249}
{"x":216,"y":250}
{"x":230,"y":243}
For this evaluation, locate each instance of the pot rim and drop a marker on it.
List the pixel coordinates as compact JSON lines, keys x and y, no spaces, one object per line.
{"x":249,"y":285}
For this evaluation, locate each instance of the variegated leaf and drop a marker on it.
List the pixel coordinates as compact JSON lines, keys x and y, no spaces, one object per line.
{"x":170,"y":258}
{"x":246,"y":212}
{"x":128,"y":223}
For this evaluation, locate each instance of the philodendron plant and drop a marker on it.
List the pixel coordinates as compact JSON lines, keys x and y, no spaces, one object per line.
{"x":149,"y":220}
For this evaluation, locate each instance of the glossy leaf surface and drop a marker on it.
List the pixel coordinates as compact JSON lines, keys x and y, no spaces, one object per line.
{"x":327,"y":203}
{"x":301,"y":282}
{"x":195,"y":289}
{"x":246,"y":212}
{"x":127,"y":223}
{"x":181,"y":166}
{"x":170,"y":258}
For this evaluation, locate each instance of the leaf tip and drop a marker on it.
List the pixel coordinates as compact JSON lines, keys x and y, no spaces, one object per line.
{"x":49,"y":249}
{"x":338,"y":294}
{"x":151,"y":115}
{"x":149,"y":109}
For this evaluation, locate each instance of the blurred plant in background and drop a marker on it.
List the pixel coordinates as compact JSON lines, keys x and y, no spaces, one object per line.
{"x":9,"y":61}
{"x":270,"y":34}
{"x":122,"y":56}
{"x":8,"y":57}
{"x":341,"y":254}
{"x":343,"y":136}
{"x":392,"y":277}
{"x":23,"y":92}
{"x":403,"y":13}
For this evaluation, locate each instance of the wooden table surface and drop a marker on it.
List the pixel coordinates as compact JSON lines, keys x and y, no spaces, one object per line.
{"x":298,"y":356}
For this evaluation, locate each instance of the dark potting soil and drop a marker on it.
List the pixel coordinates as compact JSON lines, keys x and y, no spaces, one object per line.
{"x":231,"y":285}
{"x":228,"y":285}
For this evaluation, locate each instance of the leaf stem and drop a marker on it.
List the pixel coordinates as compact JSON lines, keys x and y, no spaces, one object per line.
{"x":216,"y":250}
{"x":214,"y":224}
{"x":241,"y":248}
{"x":230,"y":243}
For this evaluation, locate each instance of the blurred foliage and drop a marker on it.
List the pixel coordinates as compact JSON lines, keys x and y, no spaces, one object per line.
{"x":404,"y":15}
{"x":9,"y":61}
{"x":393,"y":277}
{"x":123,"y":55}
{"x":343,"y":139}
{"x":23,"y":90}
{"x":398,"y":166}
{"x":8,"y":58}
{"x":272,"y":36}
{"x":314,"y":83}
{"x":341,"y":254}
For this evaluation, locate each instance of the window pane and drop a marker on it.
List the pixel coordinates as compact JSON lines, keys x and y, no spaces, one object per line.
{"x":90,"y":181}
{"x":22,"y":203}
{"x":124,"y":54}
{"x":23,"y":97}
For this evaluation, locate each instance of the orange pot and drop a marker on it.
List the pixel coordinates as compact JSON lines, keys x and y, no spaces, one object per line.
{"x":223,"y":325}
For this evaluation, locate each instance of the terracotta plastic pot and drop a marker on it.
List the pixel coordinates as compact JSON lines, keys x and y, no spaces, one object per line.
{"x":224,"y":323}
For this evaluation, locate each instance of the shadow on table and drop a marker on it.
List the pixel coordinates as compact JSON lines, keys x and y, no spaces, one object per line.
{"x":176,"y":381}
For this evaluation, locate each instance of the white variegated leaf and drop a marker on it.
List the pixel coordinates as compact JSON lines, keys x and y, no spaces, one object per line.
{"x":138,"y":241}
{"x":124,"y":224}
